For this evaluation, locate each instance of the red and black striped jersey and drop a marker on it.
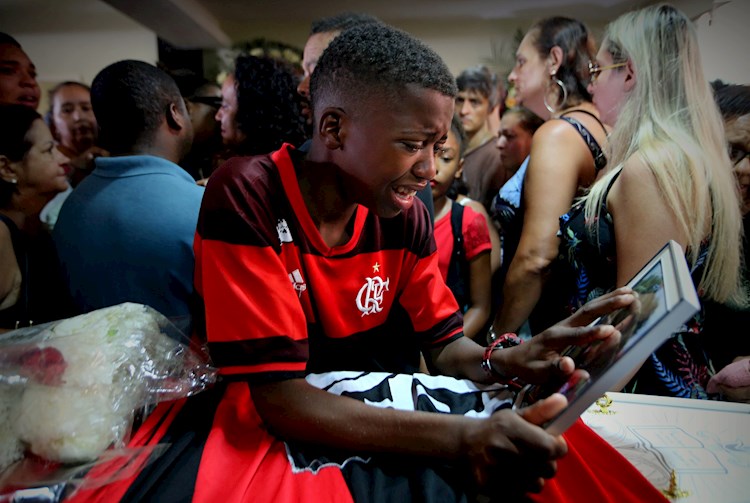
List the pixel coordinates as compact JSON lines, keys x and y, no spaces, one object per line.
{"x":281,"y":303}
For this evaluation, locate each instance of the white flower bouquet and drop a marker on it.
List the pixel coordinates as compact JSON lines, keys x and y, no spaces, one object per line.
{"x":69,"y":389}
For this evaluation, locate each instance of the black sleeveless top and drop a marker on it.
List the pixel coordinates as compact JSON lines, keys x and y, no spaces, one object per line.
{"x":43,"y":295}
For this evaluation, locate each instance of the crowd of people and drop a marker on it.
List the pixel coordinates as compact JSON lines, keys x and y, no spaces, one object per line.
{"x":358,"y":248}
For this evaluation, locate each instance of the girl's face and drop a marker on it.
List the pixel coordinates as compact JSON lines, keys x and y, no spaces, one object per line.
{"x":609,"y":88}
{"x":448,"y":166}
{"x":42,"y":169}
{"x":227,"y":114}
{"x":530,"y":76}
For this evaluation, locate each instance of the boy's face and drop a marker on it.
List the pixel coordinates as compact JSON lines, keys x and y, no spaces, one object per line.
{"x":473,"y":109}
{"x":387,"y":147}
{"x":448,"y":164}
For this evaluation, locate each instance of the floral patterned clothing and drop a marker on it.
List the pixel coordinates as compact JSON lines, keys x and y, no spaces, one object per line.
{"x":587,"y":268}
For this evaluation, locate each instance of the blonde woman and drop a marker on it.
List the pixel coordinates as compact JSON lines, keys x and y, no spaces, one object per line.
{"x":670,"y":178}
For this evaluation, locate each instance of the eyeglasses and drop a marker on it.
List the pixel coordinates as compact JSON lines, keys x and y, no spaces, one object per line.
{"x":595,"y":70}
{"x":737,"y":154}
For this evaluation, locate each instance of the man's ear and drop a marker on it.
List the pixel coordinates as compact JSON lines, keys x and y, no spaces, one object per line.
{"x":554,"y":59}
{"x":331,"y":127}
{"x":630,"y":76}
{"x":175,"y":117}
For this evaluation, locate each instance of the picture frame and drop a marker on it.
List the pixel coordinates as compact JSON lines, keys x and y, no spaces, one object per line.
{"x":665,"y":299}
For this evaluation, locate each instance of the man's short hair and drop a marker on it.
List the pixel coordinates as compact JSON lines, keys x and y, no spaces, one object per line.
{"x":482,"y":80}
{"x":130,"y":100}
{"x":378,"y":58}
{"x":341,"y":22}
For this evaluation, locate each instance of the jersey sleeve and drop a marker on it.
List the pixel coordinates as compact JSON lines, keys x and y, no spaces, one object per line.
{"x":476,"y":233}
{"x":255,"y":325}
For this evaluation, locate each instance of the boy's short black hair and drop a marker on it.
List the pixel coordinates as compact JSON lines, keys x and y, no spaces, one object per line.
{"x":481,"y":80}
{"x":378,"y":57}
{"x":130,"y":99}
{"x":341,"y":22}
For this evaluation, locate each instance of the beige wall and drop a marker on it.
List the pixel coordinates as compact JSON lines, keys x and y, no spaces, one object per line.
{"x":80,"y":56}
{"x":724,"y":42}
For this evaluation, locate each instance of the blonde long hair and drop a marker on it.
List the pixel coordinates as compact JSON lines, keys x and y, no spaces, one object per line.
{"x":671,"y":123}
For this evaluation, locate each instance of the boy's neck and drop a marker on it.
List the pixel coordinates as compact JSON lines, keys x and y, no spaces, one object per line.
{"x":321,"y":190}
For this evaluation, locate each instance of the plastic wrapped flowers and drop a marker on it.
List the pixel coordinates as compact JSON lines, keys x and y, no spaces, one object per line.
{"x":69,"y":389}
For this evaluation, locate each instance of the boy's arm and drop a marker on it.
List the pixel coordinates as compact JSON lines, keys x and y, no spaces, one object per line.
{"x":488,"y":448}
{"x":537,"y":360}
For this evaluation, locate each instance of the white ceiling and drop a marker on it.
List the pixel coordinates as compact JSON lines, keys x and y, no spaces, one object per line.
{"x":217,"y":23}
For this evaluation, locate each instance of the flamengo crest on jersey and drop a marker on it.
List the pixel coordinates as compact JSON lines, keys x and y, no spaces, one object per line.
{"x":370,"y":296}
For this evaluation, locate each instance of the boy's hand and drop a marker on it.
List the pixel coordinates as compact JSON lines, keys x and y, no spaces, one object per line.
{"x":510,"y":454}
{"x":538,"y":360}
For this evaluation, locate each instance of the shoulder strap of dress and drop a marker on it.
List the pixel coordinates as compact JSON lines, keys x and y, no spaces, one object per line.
{"x":593,"y":116}
{"x":600,"y":160}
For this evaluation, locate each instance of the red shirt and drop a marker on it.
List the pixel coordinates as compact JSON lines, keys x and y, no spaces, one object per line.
{"x":476,"y":237}
{"x":279,"y":302}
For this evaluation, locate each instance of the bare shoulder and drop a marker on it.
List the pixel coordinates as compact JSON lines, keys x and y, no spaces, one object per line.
{"x":5,"y":239}
{"x":556,"y":143}
{"x":474,"y":205}
{"x":634,"y":177}
{"x":554,"y":131}
{"x":635,"y":184}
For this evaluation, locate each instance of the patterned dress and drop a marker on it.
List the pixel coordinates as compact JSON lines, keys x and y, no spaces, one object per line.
{"x":588,"y":268}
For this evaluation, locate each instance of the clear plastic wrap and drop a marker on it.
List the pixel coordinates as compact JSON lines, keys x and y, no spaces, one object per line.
{"x":70,"y":389}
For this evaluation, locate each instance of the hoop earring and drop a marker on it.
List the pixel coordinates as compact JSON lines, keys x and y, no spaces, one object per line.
{"x":564,"y":95}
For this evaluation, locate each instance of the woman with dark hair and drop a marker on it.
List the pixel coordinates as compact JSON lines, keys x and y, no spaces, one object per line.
{"x":260,"y":107}
{"x":31,"y":173}
{"x":550,"y":78}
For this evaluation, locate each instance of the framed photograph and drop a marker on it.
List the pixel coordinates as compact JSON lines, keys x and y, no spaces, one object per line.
{"x":665,"y":299}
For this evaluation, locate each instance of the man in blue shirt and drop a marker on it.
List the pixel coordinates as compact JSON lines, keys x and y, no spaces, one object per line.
{"x":126,"y":232}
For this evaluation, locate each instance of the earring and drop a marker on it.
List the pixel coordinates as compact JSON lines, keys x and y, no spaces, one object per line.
{"x":13,"y":181}
{"x":553,"y":79}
